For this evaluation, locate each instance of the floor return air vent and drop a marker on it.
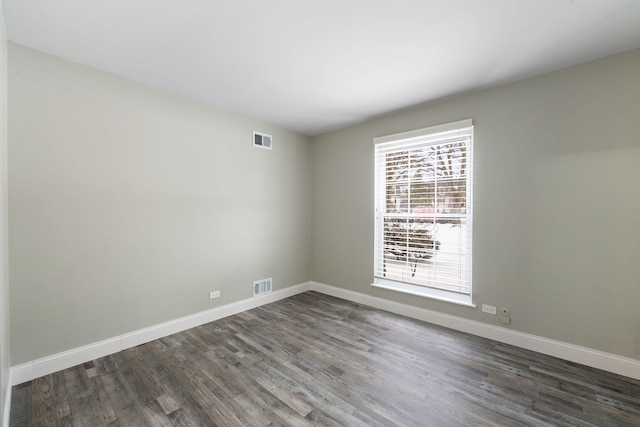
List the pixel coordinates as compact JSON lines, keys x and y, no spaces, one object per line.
{"x":262,"y":286}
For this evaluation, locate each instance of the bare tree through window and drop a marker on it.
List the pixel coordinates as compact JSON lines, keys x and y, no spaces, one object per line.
{"x":423,"y":230}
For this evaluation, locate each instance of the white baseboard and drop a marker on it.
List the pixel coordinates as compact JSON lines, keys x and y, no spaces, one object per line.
{"x":7,"y":404}
{"x":574,"y":353}
{"x":57,"y":362}
{"x":583,"y":355}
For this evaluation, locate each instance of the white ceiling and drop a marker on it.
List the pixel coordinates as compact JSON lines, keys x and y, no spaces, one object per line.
{"x":317,"y":65}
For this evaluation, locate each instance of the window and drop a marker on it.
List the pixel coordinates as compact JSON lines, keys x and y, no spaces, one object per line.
{"x":423,"y":212}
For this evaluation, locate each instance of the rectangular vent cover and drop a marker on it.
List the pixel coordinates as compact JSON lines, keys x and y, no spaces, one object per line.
{"x":261,"y":140}
{"x":262,"y":286}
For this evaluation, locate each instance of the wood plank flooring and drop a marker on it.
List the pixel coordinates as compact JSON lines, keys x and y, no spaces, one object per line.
{"x":315,"y":360}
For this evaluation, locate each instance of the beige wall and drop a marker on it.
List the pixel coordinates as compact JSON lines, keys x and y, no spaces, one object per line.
{"x":557,"y":205}
{"x":4,"y":279}
{"x":127,"y":205}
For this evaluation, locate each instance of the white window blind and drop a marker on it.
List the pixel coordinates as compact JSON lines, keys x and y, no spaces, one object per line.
{"x":423,"y":208}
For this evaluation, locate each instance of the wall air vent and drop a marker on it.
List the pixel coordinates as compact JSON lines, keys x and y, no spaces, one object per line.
{"x":262,"y":286}
{"x":261,"y":140}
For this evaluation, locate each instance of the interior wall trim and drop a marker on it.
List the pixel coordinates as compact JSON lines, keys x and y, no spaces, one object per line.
{"x":66,"y":359}
{"x":6,"y":409}
{"x":583,"y":355}
{"x":586,"y":356}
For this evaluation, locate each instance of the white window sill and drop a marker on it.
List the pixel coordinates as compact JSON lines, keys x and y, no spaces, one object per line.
{"x":421,"y":291}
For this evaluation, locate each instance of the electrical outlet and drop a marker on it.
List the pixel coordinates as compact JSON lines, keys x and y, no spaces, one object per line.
{"x":214,"y":294}
{"x":488,"y":309}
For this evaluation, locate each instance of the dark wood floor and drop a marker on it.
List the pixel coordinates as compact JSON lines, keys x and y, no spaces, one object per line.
{"x":314,"y":360}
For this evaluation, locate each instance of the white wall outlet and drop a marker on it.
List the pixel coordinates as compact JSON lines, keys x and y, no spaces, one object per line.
{"x":488,"y":309}
{"x":214,"y":294}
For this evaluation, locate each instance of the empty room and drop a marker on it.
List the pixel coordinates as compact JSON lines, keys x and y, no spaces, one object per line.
{"x":320,"y":213}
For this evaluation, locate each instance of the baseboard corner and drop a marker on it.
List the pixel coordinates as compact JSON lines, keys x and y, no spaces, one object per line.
{"x":586,"y":356}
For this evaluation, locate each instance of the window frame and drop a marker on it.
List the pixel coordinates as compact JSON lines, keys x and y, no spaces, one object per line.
{"x":408,"y":140}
